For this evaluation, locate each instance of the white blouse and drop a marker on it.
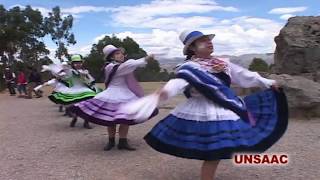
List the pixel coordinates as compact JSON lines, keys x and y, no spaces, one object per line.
{"x":196,"y":108}
{"x":126,"y":67}
{"x":199,"y":108}
{"x":239,"y":76}
{"x":118,"y":90}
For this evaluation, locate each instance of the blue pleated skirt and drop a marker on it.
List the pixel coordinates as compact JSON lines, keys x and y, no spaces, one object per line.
{"x":220,"y":139}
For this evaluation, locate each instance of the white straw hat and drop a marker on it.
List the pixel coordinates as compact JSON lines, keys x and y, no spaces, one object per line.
{"x":109,"y":49}
{"x":188,"y":37}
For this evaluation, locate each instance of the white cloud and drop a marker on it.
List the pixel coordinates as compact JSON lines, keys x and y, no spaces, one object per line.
{"x":85,"y":9}
{"x":159,"y":42}
{"x":244,"y":35}
{"x":17,"y":5}
{"x":241,"y":35}
{"x":164,"y":13}
{"x":76,"y":49}
{"x":44,"y":11}
{"x":165,"y":19}
{"x":286,"y":16}
{"x":160,"y":15}
{"x":172,"y":7}
{"x":75,"y":11}
{"x":171,"y":22}
{"x":80,"y":49}
{"x":96,"y":39}
{"x":287,"y":10}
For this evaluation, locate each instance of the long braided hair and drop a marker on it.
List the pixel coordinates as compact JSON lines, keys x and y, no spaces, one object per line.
{"x":108,"y":59}
{"x":190,"y":52}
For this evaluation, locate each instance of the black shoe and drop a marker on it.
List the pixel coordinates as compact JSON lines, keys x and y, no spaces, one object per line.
{"x":86,"y":125}
{"x":60,"y":108}
{"x":123,"y":145}
{"x":110,"y":144}
{"x":73,"y":122}
{"x":67,"y":112}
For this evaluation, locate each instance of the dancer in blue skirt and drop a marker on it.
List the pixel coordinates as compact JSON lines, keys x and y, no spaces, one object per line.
{"x":213,"y":123}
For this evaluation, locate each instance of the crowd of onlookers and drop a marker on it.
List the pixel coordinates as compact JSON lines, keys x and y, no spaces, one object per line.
{"x":23,"y":81}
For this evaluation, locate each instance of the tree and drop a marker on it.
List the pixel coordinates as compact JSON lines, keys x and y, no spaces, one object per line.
{"x":164,"y":75}
{"x":172,"y":75}
{"x":153,"y":66}
{"x":95,"y":60}
{"x":32,"y":48}
{"x":59,"y":29}
{"x":22,"y":31}
{"x":21,"y":35}
{"x":132,"y":48}
{"x":3,"y":32}
{"x":259,"y":65}
{"x":11,"y":33}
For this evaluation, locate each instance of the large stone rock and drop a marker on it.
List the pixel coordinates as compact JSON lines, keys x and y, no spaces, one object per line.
{"x":303,"y":95}
{"x":298,"y":47}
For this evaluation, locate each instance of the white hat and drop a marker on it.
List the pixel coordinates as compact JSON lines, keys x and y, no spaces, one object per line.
{"x":188,"y":37}
{"x":109,"y":49}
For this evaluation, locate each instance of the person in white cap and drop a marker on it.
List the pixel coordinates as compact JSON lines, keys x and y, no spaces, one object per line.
{"x":213,"y":123}
{"x":121,"y":87}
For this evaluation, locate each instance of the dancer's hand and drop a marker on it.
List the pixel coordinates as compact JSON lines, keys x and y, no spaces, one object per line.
{"x":163,"y":95}
{"x":218,"y":67}
{"x":85,"y":72}
{"x":275,"y":86}
{"x":149,"y":57}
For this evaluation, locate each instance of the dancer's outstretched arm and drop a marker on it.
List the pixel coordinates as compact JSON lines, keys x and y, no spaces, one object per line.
{"x":142,"y":108}
{"x":245,"y":78}
{"x":51,"y":82}
{"x":130,"y":65}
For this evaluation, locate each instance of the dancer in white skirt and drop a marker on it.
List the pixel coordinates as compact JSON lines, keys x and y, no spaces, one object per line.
{"x":121,"y":87}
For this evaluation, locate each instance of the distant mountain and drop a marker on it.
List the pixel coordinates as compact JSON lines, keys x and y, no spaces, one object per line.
{"x":246,"y":59}
{"x":242,"y":60}
{"x":169,"y":64}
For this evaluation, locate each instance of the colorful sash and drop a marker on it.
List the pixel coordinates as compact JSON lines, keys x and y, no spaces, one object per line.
{"x":214,"y":87}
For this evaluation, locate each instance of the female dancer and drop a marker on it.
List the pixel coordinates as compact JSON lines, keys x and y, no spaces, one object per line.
{"x":121,"y":87}
{"x":213,"y":123}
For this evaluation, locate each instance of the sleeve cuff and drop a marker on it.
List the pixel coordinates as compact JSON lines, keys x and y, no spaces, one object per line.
{"x":268,"y":82}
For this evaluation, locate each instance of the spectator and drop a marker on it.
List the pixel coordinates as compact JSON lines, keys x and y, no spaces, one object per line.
{"x":10,"y":77}
{"x":33,"y":81}
{"x":22,"y":83}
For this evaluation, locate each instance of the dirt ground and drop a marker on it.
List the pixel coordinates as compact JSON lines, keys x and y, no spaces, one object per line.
{"x":36,"y":143}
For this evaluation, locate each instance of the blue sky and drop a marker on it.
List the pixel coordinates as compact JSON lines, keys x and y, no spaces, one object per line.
{"x":241,"y":26}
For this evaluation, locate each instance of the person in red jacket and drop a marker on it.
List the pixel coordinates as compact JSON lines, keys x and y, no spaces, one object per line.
{"x":22,"y":83}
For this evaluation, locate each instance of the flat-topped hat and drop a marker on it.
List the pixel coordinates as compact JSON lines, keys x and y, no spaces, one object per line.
{"x":188,"y":37}
{"x":108,"y":50}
